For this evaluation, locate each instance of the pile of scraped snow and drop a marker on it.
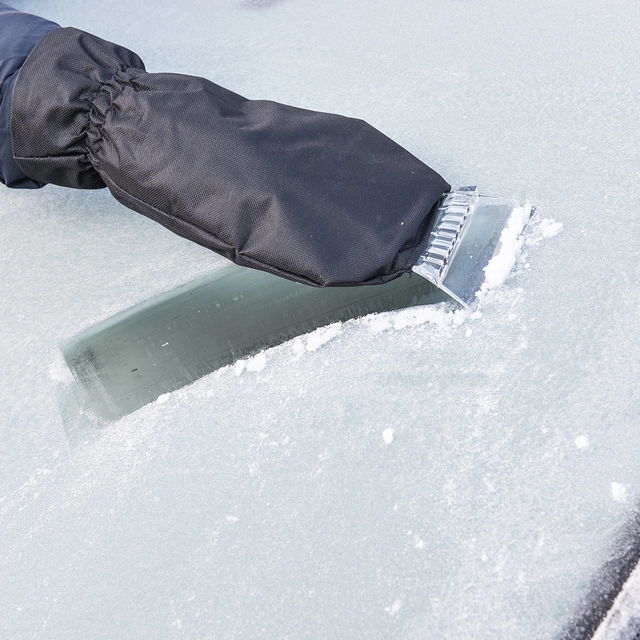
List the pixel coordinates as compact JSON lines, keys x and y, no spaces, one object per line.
{"x":509,"y":247}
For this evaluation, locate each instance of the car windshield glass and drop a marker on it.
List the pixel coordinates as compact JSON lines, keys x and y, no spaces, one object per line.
{"x":430,"y":472}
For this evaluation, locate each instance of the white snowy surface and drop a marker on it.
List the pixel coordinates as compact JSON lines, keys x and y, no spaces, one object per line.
{"x":262,"y":501}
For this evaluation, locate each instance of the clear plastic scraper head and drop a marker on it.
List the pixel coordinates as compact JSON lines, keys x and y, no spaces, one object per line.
{"x":466,"y":235}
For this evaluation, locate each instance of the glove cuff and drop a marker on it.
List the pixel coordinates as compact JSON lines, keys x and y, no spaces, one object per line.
{"x":59,"y":102}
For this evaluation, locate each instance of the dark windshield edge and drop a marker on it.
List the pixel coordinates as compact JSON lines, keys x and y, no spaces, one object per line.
{"x":608,"y":582}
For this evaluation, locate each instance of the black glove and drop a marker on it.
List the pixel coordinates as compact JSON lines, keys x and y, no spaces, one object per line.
{"x":313,"y":197}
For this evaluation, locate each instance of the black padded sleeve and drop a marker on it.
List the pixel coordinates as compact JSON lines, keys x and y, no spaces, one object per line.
{"x":19,"y":33}
{"x":313,"y":197}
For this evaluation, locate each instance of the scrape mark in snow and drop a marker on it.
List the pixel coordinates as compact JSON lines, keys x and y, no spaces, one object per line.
{"x":320,"y":337}
{"x":434,"y":314}
{"x":387,"y":435}
{"x":394,"y":608}
{"x":445,"y":316}
{"x":619,"y":492}
{"x":259,"y":4}
{"x":441,"y":316}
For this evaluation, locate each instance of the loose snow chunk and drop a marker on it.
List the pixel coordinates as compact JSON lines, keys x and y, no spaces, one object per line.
{"x":378,"y":324}
{"x":420,"y":315}
{"x":163,"y":398}
{"x":257,"y":363}
{"x":298,"y":347}
{"x":59,"y":372}
{"x":541,"y":229}
{"x":549,"y":228}
{"x":582,"y":442}
{"x":459,"y":316}
{"x":394,"y":608}
{"x":619,"y":492}
{"x":387,"y":435}
{"x":321,"y":336}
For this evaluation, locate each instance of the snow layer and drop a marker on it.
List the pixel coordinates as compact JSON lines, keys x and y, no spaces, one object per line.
{"x":267,"y":504}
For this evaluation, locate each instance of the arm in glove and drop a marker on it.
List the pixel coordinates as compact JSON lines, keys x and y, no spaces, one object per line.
{"x":317,"y":198}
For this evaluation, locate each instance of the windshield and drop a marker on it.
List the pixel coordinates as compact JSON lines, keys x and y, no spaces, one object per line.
{"x":424,"y":473}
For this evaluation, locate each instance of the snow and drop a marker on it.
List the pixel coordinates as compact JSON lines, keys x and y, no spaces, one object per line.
{"x":59,"y":372}
{"x":501,"y":264}
{"x":619,"y":492}
{"x":161,"y":399}
{"x":320,"y":337}
{"x":550,"y":228}
{"x":257,"y":363}
{"x":582,"y":441}
{"x":387,"y":435}
{"x":394,"y":608}
{"x":127,"y":530}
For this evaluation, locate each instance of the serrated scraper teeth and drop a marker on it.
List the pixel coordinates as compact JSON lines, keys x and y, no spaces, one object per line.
{"x":450,"y":218}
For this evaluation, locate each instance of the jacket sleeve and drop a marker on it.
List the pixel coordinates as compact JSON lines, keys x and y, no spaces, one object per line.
{"x":19,"y":33}
{"x":317,"y":198}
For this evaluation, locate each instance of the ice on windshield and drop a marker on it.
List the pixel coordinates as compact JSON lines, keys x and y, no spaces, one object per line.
{"x":424,"y":473}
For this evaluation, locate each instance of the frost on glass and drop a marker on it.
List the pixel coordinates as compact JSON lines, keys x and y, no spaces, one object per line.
{"x":423,"y":473}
